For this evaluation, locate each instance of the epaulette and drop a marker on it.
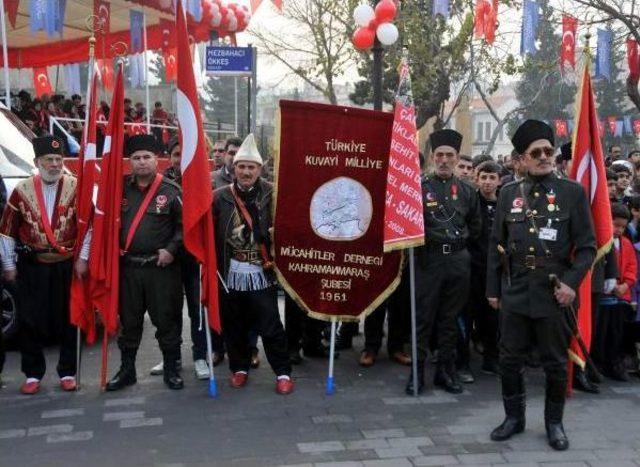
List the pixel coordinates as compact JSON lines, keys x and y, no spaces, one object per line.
{"x":168,"y":181}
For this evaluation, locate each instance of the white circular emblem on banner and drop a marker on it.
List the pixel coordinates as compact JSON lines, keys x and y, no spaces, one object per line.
{"x":341,"y":210}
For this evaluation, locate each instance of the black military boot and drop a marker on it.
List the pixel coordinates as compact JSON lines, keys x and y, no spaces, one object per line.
{"x":409,"y":388}
{"x":553,"y":412}
{"x":126,"y":376}
{"x":171,"y":376}
{"x":582,"y":383}
{"x":446,"y":377}
{"x":514,"y":400}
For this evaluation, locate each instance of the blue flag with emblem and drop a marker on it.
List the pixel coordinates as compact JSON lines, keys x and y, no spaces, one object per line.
{"x":441,"y":7}
{"x":47,"y":15}
{"x":194,"y":8}
{"x":603,"y":55}
{"x":530,"y":20}
{"x":136,"y":27}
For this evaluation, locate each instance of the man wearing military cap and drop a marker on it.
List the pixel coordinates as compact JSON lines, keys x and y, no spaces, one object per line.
{"x":451,"y":216}
{"x":542,"y":227}
{"x":243,"y":223}
{"x":150,"y":281}
{"x":37,"y":238}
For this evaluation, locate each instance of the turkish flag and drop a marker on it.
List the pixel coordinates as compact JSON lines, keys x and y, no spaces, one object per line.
{"x":167,"y":34}
{"x":589,"y":170}
{"x":568,"y":48}
{"x":102,"y":13}
{"x":81,"y":307}
{"x":41,"y":82}
{"x":633,"y":60}
{"x":105,"y":70}
{"x":197,"y":216}
{"x":104,"y":261}
{"x":11,"y":7}
{"x":255,"y":4}
{"x":636,"y":127}
{"x":171,"y":64}
{"x":486,"y":18}
{"x":561,"y":127}
{"x":611,"y":124}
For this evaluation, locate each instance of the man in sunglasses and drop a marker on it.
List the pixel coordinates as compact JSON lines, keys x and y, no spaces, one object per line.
{"x":224,"y":175}
{"x":218,"y":153}
{"x":542,"y":226}
{"x":451,"y":217}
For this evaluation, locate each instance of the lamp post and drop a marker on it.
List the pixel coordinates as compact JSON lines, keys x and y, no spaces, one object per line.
{"x":377,"y":71}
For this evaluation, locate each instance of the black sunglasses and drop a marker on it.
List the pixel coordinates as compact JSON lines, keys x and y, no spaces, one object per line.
{"x":537,"y":152}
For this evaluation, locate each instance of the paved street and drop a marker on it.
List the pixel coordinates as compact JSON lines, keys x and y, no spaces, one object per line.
{"x":368,"y":422}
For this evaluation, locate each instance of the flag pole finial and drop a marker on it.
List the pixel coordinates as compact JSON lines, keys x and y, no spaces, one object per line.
{"x":587,"y":47}
{"x":93,"y":25}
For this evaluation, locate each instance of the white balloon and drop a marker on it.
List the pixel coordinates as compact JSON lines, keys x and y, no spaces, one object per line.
{"x":387,"y":33}
{"x":232,"y":21}
{"x":363,"y":14}
{"x":216,"y":19}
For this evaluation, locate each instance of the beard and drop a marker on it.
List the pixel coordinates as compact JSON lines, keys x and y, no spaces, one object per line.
{"x":49,"y":178}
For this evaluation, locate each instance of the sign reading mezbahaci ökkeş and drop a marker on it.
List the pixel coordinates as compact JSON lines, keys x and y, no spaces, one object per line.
{"x":329,"y":209}
{"x":233,"y":61}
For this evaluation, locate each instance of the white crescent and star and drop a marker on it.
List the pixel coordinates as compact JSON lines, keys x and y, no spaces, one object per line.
{"x":42,"y":79}
{"x":188,"y":130}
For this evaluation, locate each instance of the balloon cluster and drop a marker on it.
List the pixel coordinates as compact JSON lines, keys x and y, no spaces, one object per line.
{"x":375,"y":23}
{"x":225,"y":17}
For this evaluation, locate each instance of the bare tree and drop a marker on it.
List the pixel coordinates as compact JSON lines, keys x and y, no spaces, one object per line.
{"x":315,"y":44}
{"x":625,"y":14}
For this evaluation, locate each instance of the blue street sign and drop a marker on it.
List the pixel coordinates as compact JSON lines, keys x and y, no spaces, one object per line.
{"x":233,"y":61}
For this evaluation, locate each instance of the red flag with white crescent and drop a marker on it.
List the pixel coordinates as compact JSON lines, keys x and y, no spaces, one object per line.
{"x":568,"y":48}
{"x":633,"y":60}
{"x":589,"y":170}
{"x":197,"y":216}
{"x":41,"y":82}
{"x":105,"y":70}
{"x":486,"y":19}
{"x":104,"y":260}
{"x":81,"y":309}
{"x":171,"y":64}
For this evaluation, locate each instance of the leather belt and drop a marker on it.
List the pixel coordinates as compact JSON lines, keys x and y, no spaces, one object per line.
{"x":140,"y":260}
{"x":251,"y":256}
{"x":534,"y":262}
{"x":445,"y":248}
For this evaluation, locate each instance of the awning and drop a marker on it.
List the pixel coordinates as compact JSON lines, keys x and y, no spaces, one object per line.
{"x":28,"y":50}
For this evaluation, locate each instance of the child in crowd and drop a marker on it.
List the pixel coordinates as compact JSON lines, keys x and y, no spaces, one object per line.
{"x":615,"y":305}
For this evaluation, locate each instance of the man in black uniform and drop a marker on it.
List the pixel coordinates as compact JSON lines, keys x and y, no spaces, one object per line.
{"x":451,"y":217}
{"x":150,"y":238}
{"x":543,"y":226}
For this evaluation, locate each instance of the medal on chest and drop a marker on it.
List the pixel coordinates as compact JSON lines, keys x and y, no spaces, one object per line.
{"x":431,"y":199}
{"x":454,"y":192}
{"x":161,"y":201}
{"x":551,"y":200}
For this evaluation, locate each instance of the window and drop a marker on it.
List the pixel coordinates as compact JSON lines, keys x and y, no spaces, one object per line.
{"x":479,"y":132}
{"x":487,"y":131}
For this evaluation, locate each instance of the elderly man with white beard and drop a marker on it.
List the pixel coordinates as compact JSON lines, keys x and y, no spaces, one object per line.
{"x":37,"y":239}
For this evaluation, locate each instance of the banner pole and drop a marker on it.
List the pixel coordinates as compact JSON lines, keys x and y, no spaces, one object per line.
{"x":146,"y":70}
{"x":78,"y":357}
{"x":105,"y":350}
{"x":332,"y":348}
{"x":414,"y":338}
{"x":5,"y":58}
{"x":213,"y":386}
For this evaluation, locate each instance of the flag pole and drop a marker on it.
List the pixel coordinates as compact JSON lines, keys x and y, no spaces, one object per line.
{"x":213,"y":386}
{"x":332,"y":354}
{"x":414,"y":338}
{"x":146,"y":70}
{"x":5,"y":57}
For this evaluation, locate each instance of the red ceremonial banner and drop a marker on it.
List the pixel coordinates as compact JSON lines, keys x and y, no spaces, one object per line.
{"x":589,"y":170}
{"x":633,"y":60}
{"x":329,"y":209}
{"x":403,"y":215}
{"x":568,"y":50}
{"x":41,"y":82}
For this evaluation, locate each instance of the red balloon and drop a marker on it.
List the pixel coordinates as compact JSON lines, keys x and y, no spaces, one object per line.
{"x":385,"y":11}
{"x":363,"y":38}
